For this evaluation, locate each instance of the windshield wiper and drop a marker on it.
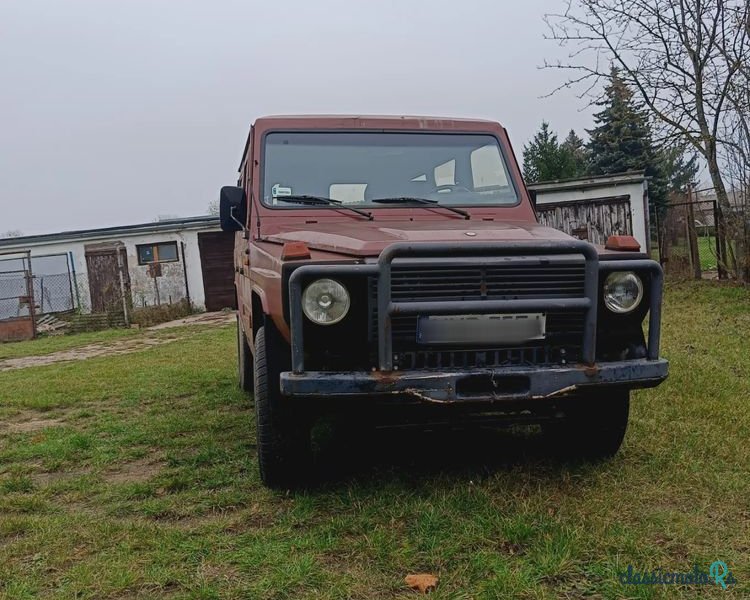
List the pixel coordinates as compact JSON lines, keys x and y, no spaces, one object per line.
{"x":425,"y":201}
{"x":322,"y":201}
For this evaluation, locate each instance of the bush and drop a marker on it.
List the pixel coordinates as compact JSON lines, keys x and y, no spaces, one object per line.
{"x":153,"y":315}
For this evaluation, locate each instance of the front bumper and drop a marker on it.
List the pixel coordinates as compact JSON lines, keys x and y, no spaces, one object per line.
{"x":476,"y":385}
{"x":483,"y":253}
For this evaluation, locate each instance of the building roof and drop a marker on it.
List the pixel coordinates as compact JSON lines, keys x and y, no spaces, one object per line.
{"x":200,"y":222}
{"x":588,"y":182}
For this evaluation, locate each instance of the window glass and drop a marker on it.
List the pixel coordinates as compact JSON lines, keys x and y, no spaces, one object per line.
{"x":358,"y":167}
{"x":145,"y":254}
{"x":152,"y":253}
{"x":348,"y":193}
{"x":487,"y":168}
{"x":445,"y":174}
{"x":167,"y":252}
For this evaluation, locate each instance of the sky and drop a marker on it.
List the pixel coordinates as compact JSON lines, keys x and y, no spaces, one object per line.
{"x":118,"y":112}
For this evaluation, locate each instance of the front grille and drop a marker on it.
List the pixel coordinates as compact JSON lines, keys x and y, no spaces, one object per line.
{"x":513,"y":278}
{"x":517,"y":278}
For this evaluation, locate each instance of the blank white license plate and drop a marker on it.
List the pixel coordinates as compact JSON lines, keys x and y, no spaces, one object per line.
{"x":514,"y":328}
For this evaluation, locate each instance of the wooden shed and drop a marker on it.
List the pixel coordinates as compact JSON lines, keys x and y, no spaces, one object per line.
{"x":593,"y":208}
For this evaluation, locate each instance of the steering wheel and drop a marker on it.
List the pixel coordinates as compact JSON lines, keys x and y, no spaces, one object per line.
{"x":451,"y":188}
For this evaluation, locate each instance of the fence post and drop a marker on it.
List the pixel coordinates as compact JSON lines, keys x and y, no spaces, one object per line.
{"x":30,"y":292}
{"x":75,"y":281}
{"x":692,"y":236}
{"x":720,"y":246}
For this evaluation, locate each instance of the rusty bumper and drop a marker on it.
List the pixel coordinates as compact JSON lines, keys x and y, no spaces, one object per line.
{"x":511,"y":383}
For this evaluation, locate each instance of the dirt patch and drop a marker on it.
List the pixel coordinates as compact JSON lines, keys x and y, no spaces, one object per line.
{"x":118,"y":347}
{"x":46,"y":478}
{"x":31,"y":425}
{"x":209,"y":318}
{"x":84,"y":352}
{"x":137,"y":471}
{"x":215,"y":572}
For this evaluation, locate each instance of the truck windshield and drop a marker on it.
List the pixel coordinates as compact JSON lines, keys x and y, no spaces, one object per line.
{"x":360,"y":168}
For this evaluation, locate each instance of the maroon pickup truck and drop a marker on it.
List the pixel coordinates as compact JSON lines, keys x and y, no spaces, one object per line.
{"x":393,"y":267}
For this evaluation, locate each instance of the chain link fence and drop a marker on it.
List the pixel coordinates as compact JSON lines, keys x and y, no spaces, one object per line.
{"x":53,"y":286}
{"x":17,"y":316}
{"x":14,"y":294}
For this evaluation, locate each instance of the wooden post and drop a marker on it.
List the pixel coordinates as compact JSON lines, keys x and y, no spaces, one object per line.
{"x":657,"y":224}
{"x":721,"y":248}
{"x":695,"y":259}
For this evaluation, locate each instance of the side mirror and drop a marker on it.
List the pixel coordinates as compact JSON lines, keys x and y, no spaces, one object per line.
{"x":232,"y":208}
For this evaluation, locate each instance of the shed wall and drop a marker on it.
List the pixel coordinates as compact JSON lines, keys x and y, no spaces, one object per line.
{"x":636,"y":191}
{"x":171,"y":283}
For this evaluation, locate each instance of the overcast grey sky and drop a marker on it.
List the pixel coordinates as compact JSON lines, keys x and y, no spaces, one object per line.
{"x":115,"y":112}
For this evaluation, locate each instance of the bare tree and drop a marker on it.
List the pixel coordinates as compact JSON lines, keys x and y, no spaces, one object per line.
{"x":12,"y":233}
{"x":735,"y":155}
{"x":681,"y":56}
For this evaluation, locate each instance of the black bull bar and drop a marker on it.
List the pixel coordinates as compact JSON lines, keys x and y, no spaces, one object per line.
{"x":632,"y":373}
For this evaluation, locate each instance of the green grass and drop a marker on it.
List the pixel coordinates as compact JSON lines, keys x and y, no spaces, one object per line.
{"x":707,"y":252}
{"x":139,"y":479}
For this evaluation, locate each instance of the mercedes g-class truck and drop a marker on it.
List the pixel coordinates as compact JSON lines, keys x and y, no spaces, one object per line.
{"x":393,"y":268}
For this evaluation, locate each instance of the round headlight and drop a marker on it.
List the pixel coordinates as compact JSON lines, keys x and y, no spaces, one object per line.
{"x":325,"y":302}
{"x":623,"y":291}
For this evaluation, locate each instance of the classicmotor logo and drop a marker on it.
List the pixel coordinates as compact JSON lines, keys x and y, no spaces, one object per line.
{"x":718,"y":574}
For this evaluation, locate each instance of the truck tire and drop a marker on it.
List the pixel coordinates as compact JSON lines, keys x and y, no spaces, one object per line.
{"x":283,"y":433}
{"x":593,"y":427}
{"x":244,"y":360}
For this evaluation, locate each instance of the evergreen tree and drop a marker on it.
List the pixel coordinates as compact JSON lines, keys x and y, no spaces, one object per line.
{"x":540,"y":155}
{"x":577,"y":155}
{"x":679,"y":168}
{"x":545,"y":159}
{"x":622,"y":139}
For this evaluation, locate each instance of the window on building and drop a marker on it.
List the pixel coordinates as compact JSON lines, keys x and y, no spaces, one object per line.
{"x":157,"y":253}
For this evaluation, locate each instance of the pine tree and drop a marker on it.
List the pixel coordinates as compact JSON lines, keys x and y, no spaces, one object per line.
{"x":545,"y":159}
{"x":576,"y":155}
{"x":541,"y":155}
{"x":622,"y":139}
{"x":679,"y":167}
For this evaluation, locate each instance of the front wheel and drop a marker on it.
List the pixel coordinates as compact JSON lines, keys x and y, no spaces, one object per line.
{"x":284,"y":447}
{"x":593,"y":425}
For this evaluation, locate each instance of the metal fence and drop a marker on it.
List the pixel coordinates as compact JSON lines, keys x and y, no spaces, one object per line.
{"x":52,"y":285}
{"x":15,"y":293}
{"x":17,"y":306}
{"x":685,"y":238}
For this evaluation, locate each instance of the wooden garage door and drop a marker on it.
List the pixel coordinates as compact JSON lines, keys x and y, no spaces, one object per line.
{"x":217,"y":264}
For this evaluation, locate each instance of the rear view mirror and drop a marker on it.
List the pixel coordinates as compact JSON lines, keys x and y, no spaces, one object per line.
{"x":232,"y":208}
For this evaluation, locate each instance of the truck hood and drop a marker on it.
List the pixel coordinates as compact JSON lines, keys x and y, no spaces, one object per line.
{"x":370,"y":238}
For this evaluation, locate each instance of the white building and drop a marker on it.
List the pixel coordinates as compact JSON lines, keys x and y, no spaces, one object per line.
{"x":154,"y":263}
{"x":593,"y":208}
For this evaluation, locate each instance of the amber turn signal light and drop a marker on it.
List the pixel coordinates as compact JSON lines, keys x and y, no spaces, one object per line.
{"x":626,"y":243}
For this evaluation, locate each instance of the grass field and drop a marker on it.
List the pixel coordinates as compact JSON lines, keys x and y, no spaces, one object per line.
{"x":135,"y":476}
